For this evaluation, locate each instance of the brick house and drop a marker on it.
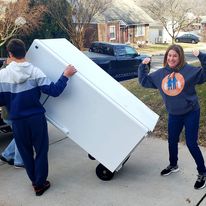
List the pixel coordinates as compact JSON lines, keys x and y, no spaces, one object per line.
{"x":122,"y":22}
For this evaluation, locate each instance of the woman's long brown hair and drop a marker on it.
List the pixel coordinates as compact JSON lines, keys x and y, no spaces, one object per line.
{"x":180,"y":52}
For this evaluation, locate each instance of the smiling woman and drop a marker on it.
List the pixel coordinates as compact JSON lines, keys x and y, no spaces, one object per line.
{"x":177,"y":88}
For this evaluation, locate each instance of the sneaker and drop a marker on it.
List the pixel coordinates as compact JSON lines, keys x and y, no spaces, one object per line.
{"x":19,"y":166}
{"x":40,"y":190}
{"x":3,"y":159}
{"x":170,"y":169}
{"x":200,"y":183}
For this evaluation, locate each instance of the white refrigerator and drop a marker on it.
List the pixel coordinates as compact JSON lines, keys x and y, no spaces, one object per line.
{"x":95,"y":111}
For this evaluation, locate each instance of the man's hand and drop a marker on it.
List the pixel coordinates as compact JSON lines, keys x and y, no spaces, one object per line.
{"x":69,"y":71}
{"x":8,"y":60}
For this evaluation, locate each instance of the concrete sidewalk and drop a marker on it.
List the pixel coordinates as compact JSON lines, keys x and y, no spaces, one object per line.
{"x":74,"y":181}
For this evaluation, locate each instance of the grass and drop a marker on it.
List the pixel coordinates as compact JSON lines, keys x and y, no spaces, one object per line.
{"x":152,"y":99}
{"x":154,"y":48}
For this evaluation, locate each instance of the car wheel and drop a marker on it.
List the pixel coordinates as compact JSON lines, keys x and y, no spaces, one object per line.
{"x":193,"y":42}
{"x":91,"y":157}
{"x":176,"y":40}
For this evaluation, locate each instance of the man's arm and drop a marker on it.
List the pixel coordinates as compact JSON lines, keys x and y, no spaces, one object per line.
{"x":55,"y":89}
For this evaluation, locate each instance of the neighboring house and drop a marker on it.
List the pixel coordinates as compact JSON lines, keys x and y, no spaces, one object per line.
{"x":122,"y":22}
{"x":158,"y":34}
{"x":203,"y":27}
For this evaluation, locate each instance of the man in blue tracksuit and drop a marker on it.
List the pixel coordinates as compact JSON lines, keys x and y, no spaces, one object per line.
{"x":176,"y":82}
{"x":21,"y":85}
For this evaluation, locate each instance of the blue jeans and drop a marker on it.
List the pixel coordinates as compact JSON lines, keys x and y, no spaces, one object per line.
{"x":12,"y":152}
{"x":191,"y":123}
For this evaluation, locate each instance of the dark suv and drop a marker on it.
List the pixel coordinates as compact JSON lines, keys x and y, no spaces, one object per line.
{"x":121,"y":61}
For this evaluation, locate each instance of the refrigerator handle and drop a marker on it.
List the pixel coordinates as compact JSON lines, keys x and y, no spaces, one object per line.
{"x":63,"y":129}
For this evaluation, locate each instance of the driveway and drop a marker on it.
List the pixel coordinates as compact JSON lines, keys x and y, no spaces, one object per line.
{"x":74,"y":181}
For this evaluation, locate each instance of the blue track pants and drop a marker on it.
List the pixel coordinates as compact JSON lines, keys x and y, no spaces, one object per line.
{"x":31,"y":135}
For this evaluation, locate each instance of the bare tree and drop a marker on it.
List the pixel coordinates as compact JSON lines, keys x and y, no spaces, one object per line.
{"x":18,"y":17}
{"x":173,"y":14}
{"x":78,"y":18}
{"x":198,"y":7}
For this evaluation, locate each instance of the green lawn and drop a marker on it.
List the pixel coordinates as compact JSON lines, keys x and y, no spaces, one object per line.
{"x":154,"y":48}
{"x":152,"y":99}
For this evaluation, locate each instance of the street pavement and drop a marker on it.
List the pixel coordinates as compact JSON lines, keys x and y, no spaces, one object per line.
{"x":74,"y":181}
{"x":158,"y":56}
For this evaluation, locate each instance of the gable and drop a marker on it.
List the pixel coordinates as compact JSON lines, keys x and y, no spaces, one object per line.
{"x":126,"y":11}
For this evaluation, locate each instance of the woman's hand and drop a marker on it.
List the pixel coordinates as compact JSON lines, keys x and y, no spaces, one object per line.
{"x":196,"y":52}
{"x":146,"y":60}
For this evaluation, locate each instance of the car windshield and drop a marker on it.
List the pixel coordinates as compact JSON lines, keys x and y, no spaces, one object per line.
{"x":125,"y":51}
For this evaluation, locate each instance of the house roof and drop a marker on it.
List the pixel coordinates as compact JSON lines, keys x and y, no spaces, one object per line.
{"x":156,"y":24}
{"x":126,"y":11}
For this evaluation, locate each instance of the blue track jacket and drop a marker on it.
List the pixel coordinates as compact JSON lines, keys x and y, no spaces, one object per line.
{"x":21,"y":85}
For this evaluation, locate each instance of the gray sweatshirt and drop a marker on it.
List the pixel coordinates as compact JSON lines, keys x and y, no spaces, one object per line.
{"x":176,"y":88}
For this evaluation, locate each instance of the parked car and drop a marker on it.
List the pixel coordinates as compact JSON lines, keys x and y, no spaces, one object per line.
{"x":1,"y":61}
{"x":188,"y":38}
{"x":121,"y":61}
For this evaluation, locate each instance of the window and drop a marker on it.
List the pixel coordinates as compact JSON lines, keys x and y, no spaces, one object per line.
{"x":108,"y":50}
{"x":130,"y":51}
{"x":140,"y":31}
{"x":160,"y":32}
{"x":125,"y":51}
{"x":112,"y":34}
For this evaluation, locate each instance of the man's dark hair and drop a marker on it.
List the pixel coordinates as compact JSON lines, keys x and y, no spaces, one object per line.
{"x":17,"y":48}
